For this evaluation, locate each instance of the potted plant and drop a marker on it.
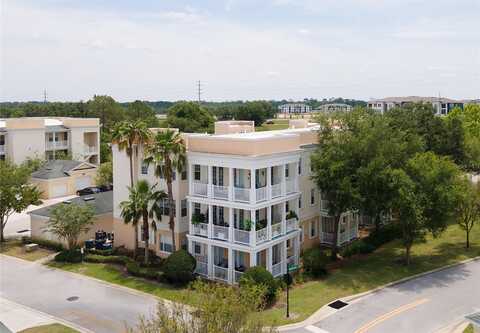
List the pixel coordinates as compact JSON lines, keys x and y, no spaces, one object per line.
{"x":292,"y":215}
{"x":198,"y":218}
{"x":247,"y":224}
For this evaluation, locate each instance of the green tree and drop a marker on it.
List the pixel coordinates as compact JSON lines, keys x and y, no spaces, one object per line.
{"x":428,"y":190}
{"x":16,"y":194}
{"x":167,"y":152}
{"x":468,"y":209}
{"x":144,"y":203}
{"x":223,"y":309}
{"x":334,"y":170}
{"x":139,"y":110}
{"x":107,"y":109}
{"x":258,"y":111}
{"x":190,"y":117}
{"x":69,"y":221}
{"x":104,"y":174}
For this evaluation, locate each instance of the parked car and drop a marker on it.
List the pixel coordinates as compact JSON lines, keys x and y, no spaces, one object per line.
{"x":88,"y":191}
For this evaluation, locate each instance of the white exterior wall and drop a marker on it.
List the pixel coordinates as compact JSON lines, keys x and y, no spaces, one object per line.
{"x":25,"y":143}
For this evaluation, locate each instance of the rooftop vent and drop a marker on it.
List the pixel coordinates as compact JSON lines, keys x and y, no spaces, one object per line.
{"x":88,"y":198}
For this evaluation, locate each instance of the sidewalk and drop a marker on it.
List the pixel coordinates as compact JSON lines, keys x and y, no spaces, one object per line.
{"x":17,"y":317}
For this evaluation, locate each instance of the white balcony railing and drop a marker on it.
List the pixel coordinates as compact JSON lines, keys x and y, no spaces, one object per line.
{"x":261,"y":194}
{"x":276,"y":190}
{"x":90,"y":149}
{"x":290,"y":185}
{"x":220,"y":273}
{"x":200,"y":189}
{"x":242,"y":236}
{"x":237,"y":276}
{"x":327,"y":237}
{"x":277,"y":229}
{"x":241,"y":194}
{"x":202,"y":268}
{"x":262,"y":235}
{"x":220,"y":232}
{"x":2,"y":149}
{"x":292,"y":225}
{"x":220,"y":192}
{"x":62,"y":144}
{"x":324,"y":205}
{"x":293,"y":260}
{"x":200,"y":229}
{"x":277,"y":269}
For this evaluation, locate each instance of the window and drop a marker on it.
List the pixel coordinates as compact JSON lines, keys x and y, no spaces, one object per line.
{"x":174,"y":176}
{"x":165,"y":209}
{"x":196,"y":208}
{"x":183,"y":203}
{"x":300,"y":201}
{"x":197,"y":172}
{"x":197,"y":249}
{"x":144,"y":168}
{"x":287,"y":207}
{"x":300,"y":166}
{"x":286,"y":170}
{"x":311,"y":166}
{"x":184,"y":175}
{"x":312,"y":196}
{"x":313,"y":229}
{"x":289,"y":243}
{"x":166,"y":244}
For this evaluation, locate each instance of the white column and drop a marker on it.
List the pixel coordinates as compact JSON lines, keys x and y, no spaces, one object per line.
{"x":269,"y":183}
{"x":210,"y":221}
{"x":253,"y":258}
{"x":209,"y":181}
{"x":284,"y":180}
{"x":253,"y":232}
{"x":230,"y":184}
{"x":269,"y":222}
{"x":210,"y":260}
{"x":284,"y":257}
{"x":338,"y":231}
{"x":253,"y":198}
{"x":231,"y":225}
{"x":231,"y":266}
{"x":190,"y":179}
{"x":190,"y":247}
{"x":269,"y":258}
{"x":190,"y":212}
{"x":284,"y":217}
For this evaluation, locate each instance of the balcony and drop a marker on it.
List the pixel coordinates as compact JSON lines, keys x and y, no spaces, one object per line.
{"x":277,"y":230}
{"x":324,"y":205}
{"x":237,"y":276}
{"x":220,"y":273}
{"x":200,"y":189}
{"x":291,"y":225}
{"x":276,"y":190}
{"x":200,"y":229}
{"x":241,"y":194}
{"x":202,"y":268}
{"x":220,"y":232}
{"x":242,"y":236}
{"x":90,"y":150}
{"x":2,"y":149}
{"x":262,"y":235}
{"x":261,"y":194}
{"x":220,"y":192}
{"x":291,"y":186}
{"x":277,"y":269}
{"x":54,"y":145}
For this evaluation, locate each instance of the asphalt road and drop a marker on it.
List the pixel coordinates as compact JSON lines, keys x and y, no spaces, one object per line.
{"x":100,"y":308}
{"x":423,"y":305}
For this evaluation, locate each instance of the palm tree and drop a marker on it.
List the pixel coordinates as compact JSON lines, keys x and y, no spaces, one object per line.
{"x":143,"y":203}
{"x":128,"y":136}
{"x":168,"y":153}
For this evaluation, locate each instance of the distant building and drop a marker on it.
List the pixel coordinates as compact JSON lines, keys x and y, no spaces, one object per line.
{"x":294,"y":108}
{"x":441,"y":105}
{"x":334,"y":107}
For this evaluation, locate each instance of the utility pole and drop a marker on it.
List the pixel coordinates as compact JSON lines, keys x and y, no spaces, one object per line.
{"x":45,"y":96}
{"x":199,"y":87}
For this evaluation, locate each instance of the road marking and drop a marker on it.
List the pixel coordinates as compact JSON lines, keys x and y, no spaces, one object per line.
{"x":315,"y":329}
{"x":390,"y":314}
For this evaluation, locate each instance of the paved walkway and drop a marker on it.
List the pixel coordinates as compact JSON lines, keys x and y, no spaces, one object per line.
{"x":430,"y":303}
{"x":85,"y":302}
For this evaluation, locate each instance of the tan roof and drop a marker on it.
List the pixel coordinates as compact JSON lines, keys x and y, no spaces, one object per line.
{"x":414,"y":99}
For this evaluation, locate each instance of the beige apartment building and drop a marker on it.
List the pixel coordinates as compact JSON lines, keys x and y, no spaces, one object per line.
{"x":48,"y":137}
{"x":246,"y":199}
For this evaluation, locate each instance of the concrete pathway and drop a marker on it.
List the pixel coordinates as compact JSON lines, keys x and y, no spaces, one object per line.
{"x":88,"y":303}
{"x":430,"y":303}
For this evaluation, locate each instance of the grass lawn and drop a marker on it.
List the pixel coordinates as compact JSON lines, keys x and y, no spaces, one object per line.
{"x":14,"y":248}
{"x":361,"y":274}
{"x":114,"y":274}
{"x":469,"y":329}
{"x":53,"y":328}
{"x":278,"y":124}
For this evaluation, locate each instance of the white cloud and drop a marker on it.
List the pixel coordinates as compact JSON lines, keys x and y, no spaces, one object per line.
{"x":304,"y":31}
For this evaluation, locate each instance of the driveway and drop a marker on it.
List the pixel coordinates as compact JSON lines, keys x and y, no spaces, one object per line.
{"x":85,"y":302}
{"x":19,"y":223}
{"x":425,"y":304}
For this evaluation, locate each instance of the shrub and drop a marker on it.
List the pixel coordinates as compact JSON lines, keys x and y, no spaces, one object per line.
{"x":135,"y":269}
{"x":179,"y":267}
{"x":47,"y":244}
{"x":258,"y":275}
{"x":102,"y":252}
{"x":73,"y":256}
{"x":384,"y":235}
{"x":123,"y":251}
{"x":96,"y":258}
{"x":314,"y":262}
{"x":357,"y":247}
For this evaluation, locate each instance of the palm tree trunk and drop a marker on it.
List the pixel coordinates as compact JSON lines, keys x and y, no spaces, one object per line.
{"x":407,"y":254}
{"x":135,"y":234}
{"x":146,"y":236}
{"x":468,"y":239}
{"x":2,"y":239}
{"x":171,"y":221}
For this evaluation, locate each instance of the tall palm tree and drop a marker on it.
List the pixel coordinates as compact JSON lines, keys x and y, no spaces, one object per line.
{"x":144,"y":202}
{"x":167,"y":152}
{"x":128,"y":136}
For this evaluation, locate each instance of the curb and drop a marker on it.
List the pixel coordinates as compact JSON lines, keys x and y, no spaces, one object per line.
{"x":324,"y":311}
{"x":53,"y":318}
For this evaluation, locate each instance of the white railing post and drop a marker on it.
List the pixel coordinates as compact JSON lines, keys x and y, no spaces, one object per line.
{"x":230,"y":184}
{"x":284,"y":217}
{"x":269,"y":222}
{"x":231,"y":266}
{"x":284,"y":258}
{"x":269,"y":259}
{"x":190,"y":178}
{"x":210,"y":261}
{"x":209,"y":181}
{"x":284,"y":180}
{"x":210,"y":221}
{"x":231,"y":236}
{"x":253,"y":229}
{"x":253,"y":258}
{"x":190,"y":225}
{"x":269,"y":183}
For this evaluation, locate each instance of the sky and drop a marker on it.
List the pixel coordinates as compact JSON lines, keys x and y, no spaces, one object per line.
{"x":239,"y":49}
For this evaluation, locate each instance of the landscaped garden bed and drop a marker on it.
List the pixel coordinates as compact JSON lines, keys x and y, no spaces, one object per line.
{"x":16,"y":248}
